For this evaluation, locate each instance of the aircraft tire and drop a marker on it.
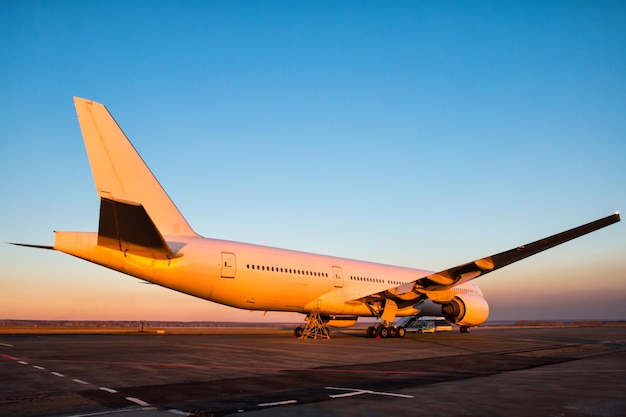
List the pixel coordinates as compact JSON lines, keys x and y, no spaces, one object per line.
{"x":297,"y":332}
{"x":371,"y":332}
{"x":401,"y":332}
{"x":384,"y":332}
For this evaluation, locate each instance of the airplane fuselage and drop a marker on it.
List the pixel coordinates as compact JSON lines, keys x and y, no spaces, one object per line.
{"x":258,"y":277}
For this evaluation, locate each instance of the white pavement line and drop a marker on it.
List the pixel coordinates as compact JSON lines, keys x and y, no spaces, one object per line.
{"x":80,"y":381}
{"x":109,"y":390}
{"x":348,"y":394}
{"x":355,"y":391}
{"x":57,"y":374}
{"x":277,"y":403}
{"x":392,"y":394}
{"x":137,"y":401}
{"x":6,"y":344}
{"x":22,"y":362}
{"x":110,"y":412}
{"x":178,"y":412}
{"x":38,"y":367}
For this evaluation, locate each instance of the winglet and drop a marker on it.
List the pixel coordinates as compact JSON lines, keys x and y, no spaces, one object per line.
{"x":119,"y":172}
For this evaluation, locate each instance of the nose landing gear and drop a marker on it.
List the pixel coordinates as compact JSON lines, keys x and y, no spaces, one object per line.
{"x":313,"y":329}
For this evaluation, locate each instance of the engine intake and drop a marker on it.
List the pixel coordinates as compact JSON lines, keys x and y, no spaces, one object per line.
{"x":466,"y":310}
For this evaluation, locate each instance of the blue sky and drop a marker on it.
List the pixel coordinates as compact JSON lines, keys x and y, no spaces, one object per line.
{"x":411,"y":133}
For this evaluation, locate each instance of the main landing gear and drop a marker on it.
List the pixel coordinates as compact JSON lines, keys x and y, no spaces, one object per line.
{"x":386,"y":331}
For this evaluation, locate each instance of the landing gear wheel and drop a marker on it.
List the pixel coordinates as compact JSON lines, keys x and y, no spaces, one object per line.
{"x":297,"y":332}
{"x":464,"y":329}
{"x":384,"y":332}
{"x":393,"y":332}
{"x":371,"y":332}
{"x":401,"y":331}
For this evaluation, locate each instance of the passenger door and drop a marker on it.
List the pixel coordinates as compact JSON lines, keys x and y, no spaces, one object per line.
{"x":229,"y":265}
{"x":338,"y":273}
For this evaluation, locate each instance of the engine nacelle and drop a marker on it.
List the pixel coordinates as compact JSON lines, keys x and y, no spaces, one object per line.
{"x":339,"y":321}
{"x":466,"y":310}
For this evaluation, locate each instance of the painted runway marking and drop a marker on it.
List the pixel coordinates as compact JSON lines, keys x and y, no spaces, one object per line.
{"x":80,"y":381}
{"x":6,"y":344}
{"x":247,"y":368}
{"x":111,"y":412}
{"x":2,"y":355}
{"x":178,"y":412}
{"x":112,"y":391}
{"x":137,"y":401}
{"x":355,"y":391}
{"x":277,"y":403}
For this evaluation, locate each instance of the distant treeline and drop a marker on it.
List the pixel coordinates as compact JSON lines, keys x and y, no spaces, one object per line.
{"x":141,"y":324}
{"x":129,"y":323}
{"x":555,"y":323}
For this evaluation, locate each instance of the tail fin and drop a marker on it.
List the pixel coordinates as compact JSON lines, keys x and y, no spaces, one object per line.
{"x":119,"y":172}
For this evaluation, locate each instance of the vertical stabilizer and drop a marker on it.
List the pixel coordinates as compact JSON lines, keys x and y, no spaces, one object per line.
{"x":120,"y":173}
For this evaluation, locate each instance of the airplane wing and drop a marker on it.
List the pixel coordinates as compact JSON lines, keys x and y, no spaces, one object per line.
{"x":448,"y":278}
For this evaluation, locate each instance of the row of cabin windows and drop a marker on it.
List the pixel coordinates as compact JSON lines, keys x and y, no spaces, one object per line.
{"x":286,"y":270}
{"x":381,"y":281}
{"x":317,"y":274}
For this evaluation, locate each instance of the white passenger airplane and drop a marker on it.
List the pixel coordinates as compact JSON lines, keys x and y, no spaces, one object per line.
{"x":141,"y":233}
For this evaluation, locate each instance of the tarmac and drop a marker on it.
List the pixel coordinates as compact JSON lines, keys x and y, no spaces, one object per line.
{"x":225,"y":372}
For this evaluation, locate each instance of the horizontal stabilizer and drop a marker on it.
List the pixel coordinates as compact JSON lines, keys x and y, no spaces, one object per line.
{"x":126,"y":226}
{"x":32,"y":246}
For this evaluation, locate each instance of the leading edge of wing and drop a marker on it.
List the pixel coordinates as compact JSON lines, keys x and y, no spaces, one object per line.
{"x":446,"y":279}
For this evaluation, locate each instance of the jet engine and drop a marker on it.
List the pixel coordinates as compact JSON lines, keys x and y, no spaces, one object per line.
{"x":466,"y":310}
{"x":340,"y":321}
